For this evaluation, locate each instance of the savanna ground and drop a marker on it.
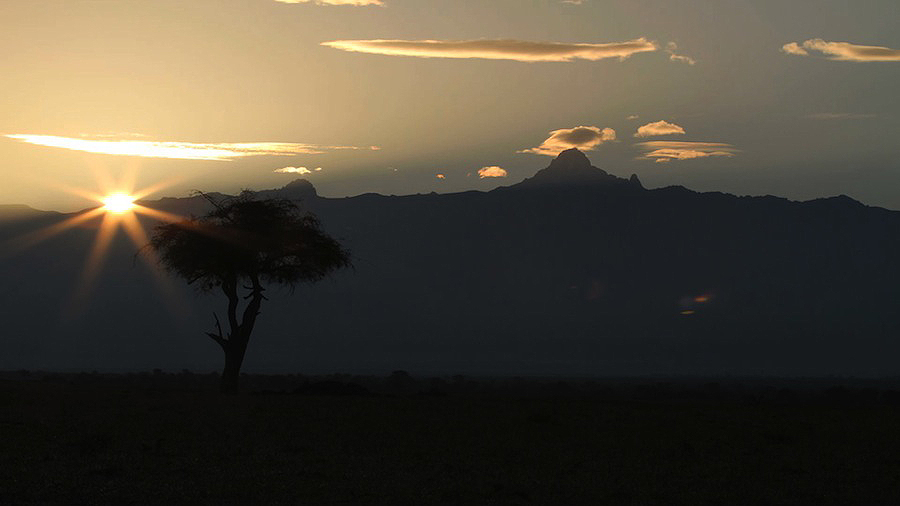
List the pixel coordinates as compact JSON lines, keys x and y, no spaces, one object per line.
{"x":171,"y":438}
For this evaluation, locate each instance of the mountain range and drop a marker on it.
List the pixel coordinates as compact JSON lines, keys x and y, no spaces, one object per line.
{"x":573,"y":271}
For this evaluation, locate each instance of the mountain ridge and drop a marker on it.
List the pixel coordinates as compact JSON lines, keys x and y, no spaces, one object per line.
{"x":570,"y":168}
{"x":592,"y":278}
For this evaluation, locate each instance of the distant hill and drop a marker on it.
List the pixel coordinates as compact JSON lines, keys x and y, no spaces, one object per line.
{"x":16,"y":212}
{"x":572,"y":271}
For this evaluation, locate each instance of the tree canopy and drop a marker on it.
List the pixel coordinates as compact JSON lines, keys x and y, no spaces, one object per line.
{"x":270,"y":240}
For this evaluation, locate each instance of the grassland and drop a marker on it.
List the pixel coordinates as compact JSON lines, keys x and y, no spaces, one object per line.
{"x":165,"y":438}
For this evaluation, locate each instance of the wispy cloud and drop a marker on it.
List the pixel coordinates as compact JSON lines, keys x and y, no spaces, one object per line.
{"x":585,"y":138}
{"x":666,"y":151}
{"x":682,"y":59}
{"x":492,"y":171}
{"x":114,"y":135}
{"x":671,"y":47}
{"x":838,"y":115}
{"x":179,"y":150}
{"x":357,"y":3}
{"x":501,"y":49}
{"x":296,"y":170}
{"x":843,"y":51}
{"x":794,"y":48}
{"x":660,"y":127}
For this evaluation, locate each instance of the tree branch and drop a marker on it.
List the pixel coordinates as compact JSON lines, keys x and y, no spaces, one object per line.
{"x":218,"y":325}
{"x":219,"y":338}
{"x":223,"y":343}
{"x":257,"y":289}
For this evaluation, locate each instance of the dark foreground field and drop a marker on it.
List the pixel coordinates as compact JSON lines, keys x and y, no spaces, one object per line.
{"x":164,"y":438}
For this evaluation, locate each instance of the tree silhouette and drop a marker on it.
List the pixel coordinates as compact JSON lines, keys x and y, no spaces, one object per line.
{"x":244,"y":243}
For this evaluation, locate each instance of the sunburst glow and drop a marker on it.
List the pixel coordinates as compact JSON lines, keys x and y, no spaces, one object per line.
{"x":118,"y":203}
{"x":119,"y":210}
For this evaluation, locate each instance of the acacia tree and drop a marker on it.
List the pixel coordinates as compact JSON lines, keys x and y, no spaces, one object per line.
{"x":244,"y":244}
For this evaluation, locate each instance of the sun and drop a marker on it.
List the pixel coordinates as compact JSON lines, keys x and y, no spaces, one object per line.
{"x":118,"y":203}
{"x":120,"y":209}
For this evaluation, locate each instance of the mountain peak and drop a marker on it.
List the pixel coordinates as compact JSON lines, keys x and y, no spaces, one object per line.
{"x":300,"y":185}
{"x":570,"y":166}
{"x":298,"y":189}
{"x":634,"y":181}
{"x":571,"y":158}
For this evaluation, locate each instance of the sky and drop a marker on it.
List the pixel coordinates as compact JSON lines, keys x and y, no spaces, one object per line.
{"x":796,"y":99}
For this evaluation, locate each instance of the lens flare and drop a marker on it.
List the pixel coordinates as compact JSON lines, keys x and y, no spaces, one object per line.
{"x":120,"y":209}
{"x":118,"y":203}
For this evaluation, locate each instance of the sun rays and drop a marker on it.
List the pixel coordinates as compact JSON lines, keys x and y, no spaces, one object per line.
{"x":118,"y":207}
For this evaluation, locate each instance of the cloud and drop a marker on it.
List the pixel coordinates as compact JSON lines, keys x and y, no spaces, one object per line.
{"x":794,"y":48}
{"x":441,"y":176}
{"x":666,"y":151}
{"x":838,"y":115}
{"x":179,"y":150}
{"x":671,"y":47}
{"x":585,"y":138}
{"x":633,"y":116}
{"x":118,"y":135}
{"x":658,"y":128}
{"x":357,"y":3}
{"x":492,"y":171}
{"x":682,"y":58}
{"x":498,"y":49}
{"x":843,"y":51}
{"x":295,"y":170}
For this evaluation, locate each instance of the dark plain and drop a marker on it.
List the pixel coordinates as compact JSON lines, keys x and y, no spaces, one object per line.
{"x":171,"y":438}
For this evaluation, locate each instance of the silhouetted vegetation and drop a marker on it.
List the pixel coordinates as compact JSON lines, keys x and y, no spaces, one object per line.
{"x":245,"y":243}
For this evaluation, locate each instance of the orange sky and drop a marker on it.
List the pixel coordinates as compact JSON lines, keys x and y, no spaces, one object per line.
{"x":794,"y":99}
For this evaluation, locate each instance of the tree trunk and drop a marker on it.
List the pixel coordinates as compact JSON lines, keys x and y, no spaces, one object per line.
{"x":234,"y":356}
{"x":236,"y":345}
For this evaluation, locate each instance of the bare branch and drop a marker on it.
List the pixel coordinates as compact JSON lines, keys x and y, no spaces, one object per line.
{"x":223,"y":343}
{"x":218,"y":325}
{"x":208,"y":198}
